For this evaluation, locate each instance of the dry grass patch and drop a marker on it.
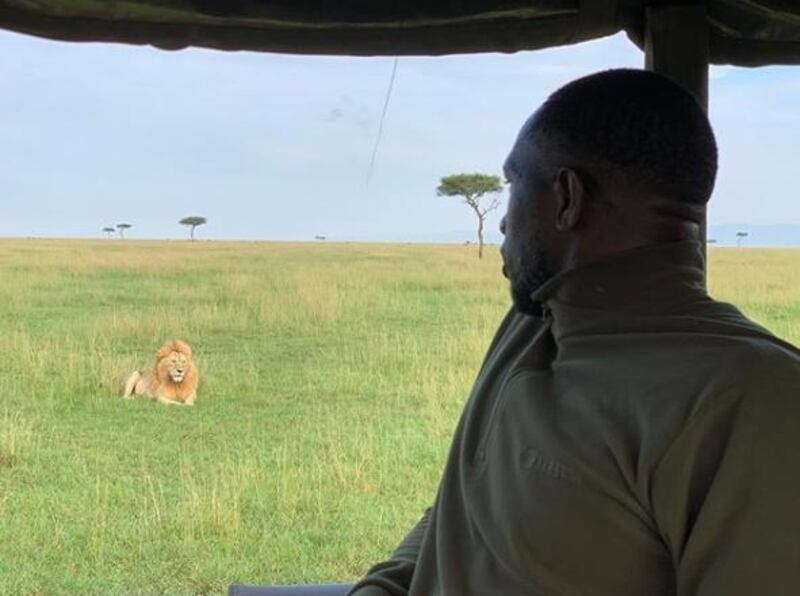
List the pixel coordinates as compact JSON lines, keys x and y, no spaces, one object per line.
{"x":16,"y":434}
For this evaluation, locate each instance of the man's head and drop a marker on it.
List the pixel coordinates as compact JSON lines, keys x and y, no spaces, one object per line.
{"x":612,"y":161}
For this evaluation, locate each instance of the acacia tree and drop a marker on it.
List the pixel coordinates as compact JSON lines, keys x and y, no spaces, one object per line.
{"x":193,"y":221}
{"x":739,"y":237}
{"x":122,"y":227}
{"x":109,"y":231}
{"x":472,"y":188}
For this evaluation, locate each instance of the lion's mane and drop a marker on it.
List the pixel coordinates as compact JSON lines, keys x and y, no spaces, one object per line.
{"x":173,"y":379}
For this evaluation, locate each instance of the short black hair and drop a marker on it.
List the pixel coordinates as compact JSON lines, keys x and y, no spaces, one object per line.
{"x":639,"y":125}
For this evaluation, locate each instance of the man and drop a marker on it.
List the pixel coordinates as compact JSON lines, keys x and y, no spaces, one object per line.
{"x":627,"y":435}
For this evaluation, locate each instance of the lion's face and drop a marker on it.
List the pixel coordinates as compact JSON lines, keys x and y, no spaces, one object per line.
{"x":174,"y":361}
{"x":176,"y":364}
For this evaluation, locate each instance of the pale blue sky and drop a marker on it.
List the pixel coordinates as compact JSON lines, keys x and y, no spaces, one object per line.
{"x":268,"y":146}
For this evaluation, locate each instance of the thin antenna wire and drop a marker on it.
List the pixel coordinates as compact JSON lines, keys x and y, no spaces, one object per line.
{"x":380,"y":124}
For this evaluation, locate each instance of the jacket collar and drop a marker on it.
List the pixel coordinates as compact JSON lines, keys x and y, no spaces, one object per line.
{"x":650,"y":279}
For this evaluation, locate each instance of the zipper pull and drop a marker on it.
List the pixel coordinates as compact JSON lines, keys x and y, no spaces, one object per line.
{"x":546,"y":314}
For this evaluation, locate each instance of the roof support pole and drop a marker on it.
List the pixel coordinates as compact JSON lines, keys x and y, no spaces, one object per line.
{"x":676,"y":45}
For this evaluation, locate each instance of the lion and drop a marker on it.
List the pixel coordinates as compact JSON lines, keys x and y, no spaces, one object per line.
{"x":173,"y":380}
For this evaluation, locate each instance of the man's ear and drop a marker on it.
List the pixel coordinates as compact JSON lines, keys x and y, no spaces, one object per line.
{"x":570,"y":193}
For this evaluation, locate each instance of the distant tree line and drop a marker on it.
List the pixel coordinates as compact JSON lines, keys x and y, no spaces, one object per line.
{"x":740,"y":236}
{"x":193,"y":221}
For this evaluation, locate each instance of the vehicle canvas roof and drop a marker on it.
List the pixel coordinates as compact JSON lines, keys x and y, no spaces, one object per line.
{"x":745,"y":33}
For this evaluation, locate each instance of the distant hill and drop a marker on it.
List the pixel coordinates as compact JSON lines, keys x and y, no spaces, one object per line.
{"x":758,"y":235}
{"x":776,"y":235}
{"x":456,"y":237}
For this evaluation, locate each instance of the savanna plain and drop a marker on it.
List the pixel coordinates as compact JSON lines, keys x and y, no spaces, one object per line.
{"x":332,"y":376}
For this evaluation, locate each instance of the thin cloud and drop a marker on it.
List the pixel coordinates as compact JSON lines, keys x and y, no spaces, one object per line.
{"x":334,"y":115}
{"x":348,"y":111}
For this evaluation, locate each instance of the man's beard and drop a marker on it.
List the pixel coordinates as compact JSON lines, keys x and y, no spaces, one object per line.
{"x":528,"y":279}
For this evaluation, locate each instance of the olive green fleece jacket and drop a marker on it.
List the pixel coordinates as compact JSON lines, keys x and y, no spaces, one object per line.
{"x":638,"y":439}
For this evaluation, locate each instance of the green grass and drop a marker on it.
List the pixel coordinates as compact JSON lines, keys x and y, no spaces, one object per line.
{"x":332,"y":377}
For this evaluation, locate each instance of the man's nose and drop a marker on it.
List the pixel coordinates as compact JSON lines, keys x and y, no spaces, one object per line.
{"x":503,"y":226}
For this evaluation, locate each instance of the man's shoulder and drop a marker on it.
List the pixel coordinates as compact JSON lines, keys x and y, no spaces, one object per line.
{"x":746,"y":345}
{"x":778,"y":361}
{"x":755,"y":366}
{"x":730,"y":322}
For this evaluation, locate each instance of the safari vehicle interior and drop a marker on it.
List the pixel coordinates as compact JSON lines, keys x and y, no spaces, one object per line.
{"x":679,"y":38}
